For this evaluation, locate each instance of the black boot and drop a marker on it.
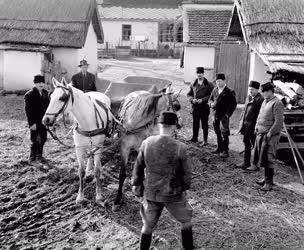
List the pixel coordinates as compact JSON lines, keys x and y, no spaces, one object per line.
{"x":262,"y":181}
{"x":33,"y":152}
{"x":219,"y":146}
{"x":187,"y":239}
{"x":268,"y":180}
{"x":145,"y":241}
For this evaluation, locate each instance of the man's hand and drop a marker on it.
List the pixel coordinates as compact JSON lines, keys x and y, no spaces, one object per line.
{"x":194,"y":101}
{"x":199,"y":101}
{"x":212,"y":105}
{"x":33,"y":127}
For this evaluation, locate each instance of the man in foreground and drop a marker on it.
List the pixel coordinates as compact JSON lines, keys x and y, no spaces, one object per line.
{"x":161,"y":176}
{"x":36,"y":103}
{"x":268,"y":128}
{"x":248,"y":120}
{"x":198,"y":95}
{"x":223,"y":103}
{"x":84,"y":80}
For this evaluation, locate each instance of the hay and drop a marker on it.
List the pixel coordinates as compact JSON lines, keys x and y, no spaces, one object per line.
{"x":53,"y":23}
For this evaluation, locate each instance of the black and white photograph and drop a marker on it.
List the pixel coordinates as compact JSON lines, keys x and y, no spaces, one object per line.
{"x":151,"y":124}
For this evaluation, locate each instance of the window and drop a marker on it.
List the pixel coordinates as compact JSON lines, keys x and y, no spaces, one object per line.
{"x":126,"y":32}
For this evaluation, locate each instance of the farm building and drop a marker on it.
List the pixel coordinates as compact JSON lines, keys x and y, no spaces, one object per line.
{"x":266,"y":42}
{"x":205,"y":25}
{"x":34,"y":34}
{"x":140,"y":25}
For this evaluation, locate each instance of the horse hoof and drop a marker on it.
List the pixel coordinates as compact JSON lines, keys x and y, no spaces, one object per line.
{"x":115,"y":207}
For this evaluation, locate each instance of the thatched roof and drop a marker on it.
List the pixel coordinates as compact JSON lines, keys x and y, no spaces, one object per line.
{"x":141,"y":3}
{"x":55,"y":23}
{"x":273,"y":28}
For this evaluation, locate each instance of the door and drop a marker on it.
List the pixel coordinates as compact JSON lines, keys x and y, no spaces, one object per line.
{"x":234,"y":60}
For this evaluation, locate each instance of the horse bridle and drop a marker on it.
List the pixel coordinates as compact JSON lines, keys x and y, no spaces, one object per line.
{"x":66,"y":98}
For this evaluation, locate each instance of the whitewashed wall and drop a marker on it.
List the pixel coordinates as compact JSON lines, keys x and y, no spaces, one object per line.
{"x":258,"y":69}
{"x":89,"y":51}
{"x":70,"y":57}
{"x":198,"y":57}
{"x":113,"y":33}
{"x":19,"y":69}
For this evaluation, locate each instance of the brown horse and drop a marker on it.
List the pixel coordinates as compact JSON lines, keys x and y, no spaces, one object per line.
{"x":138,"y":114}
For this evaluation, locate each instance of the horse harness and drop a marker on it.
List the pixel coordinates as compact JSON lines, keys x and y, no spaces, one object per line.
{"x":65,"y":98}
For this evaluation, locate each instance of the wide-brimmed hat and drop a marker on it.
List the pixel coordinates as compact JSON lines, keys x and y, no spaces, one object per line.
{"x":167,"y":118}
{"x":83,"y":63}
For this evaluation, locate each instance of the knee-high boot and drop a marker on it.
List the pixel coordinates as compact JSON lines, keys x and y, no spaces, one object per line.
{"x":145,"y":241}
{"x":187,"y":239}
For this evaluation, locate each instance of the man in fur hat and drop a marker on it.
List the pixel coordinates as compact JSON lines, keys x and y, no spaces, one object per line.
{"x":160,"y":178}
{"x":223,"y":103}
{"x":36,"y":103}
{"x":198,"y":95}
{"x":268,"y":129}
{"x":84,"y":80}
{"x":248,"y":120}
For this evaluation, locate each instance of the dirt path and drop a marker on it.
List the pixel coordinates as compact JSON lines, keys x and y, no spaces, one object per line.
{"x":38,"y":210}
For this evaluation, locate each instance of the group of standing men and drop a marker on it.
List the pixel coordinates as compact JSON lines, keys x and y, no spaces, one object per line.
{"x":261,"y":121}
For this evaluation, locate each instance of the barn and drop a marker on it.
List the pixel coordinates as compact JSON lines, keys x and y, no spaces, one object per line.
{"x":205,"y":25}
{"x":35,"y":33}
{"x":260,"y":42}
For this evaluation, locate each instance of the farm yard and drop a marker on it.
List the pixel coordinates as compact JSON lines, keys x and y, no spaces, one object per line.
{"x":37,"y":202}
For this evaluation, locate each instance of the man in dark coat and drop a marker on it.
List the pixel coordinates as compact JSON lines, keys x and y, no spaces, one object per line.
{"x":248,"y":120}
{"x":36,"y":103}
{"x":199,"y":95}
{"x":223,"y":102}
{"x":160,"y":179}
{"x":84,"y":80}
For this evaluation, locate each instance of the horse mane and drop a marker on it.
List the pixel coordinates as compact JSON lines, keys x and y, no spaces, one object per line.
{"x":140,"y":108}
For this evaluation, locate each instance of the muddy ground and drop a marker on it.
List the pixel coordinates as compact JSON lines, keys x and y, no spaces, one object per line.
{"x":37,"y":202}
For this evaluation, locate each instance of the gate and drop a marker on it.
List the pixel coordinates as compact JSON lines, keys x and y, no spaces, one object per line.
{"x":234,"y":60}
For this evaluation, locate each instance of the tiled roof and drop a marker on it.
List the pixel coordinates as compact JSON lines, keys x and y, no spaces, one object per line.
{"x":141,"y":3}
{"x":208,"y":26}
{"x":139,"y":13}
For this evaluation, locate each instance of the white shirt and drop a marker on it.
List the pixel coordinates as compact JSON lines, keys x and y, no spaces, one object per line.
{"x":221,"y":89}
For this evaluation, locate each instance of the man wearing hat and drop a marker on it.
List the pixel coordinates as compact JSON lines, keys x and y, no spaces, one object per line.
{"x":223,"y":103}
{"x":161,"y":176}
{"x":198,"y":95}
{"x":268,"y":128}
{"x":248,"y":120}
{"x":36,"y":103}
{"x":84,"y":80}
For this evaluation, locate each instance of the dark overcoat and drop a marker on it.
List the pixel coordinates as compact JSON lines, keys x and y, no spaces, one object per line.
{"x":202,"y":92}
{"x":35,"y":106}
{"x":224,"y":103}
{"x":250,"y":114}
{"x":86,"y":83}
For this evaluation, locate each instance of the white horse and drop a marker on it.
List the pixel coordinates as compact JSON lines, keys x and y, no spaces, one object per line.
{"x":92,"y":113}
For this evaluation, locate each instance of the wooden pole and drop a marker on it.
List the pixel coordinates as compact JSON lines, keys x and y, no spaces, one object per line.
{"x":293,"y":153}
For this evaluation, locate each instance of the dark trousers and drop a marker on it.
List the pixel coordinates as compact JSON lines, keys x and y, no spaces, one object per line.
{"x":249,"y":141}
{"x":222,"y":131}
{"x":200,"y":116}
{"x":38,"y":138}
